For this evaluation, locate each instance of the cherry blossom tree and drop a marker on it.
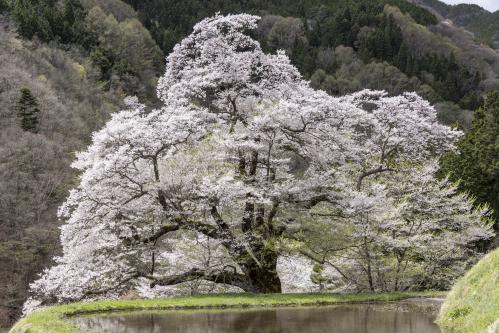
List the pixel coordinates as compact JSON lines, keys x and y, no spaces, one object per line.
{"x":405,"y":231}
{"x":242,"y":153}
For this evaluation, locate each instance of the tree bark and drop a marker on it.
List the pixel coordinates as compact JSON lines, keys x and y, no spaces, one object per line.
{"x":226,"y":277}
{"x":263,"y":275}
{"x":257,"y":279}
{"x":369,"y":268}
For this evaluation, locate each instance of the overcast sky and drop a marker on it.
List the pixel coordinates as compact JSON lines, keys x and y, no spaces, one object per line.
{"x":491,"y":5}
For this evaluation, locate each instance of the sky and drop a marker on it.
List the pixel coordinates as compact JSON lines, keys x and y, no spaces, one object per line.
{"x":490,"y":5}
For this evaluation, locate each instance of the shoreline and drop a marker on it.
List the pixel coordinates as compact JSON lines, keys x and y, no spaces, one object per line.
{"x":57,"y":319}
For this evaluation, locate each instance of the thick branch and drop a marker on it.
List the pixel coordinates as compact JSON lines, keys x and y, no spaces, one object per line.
{"x":321,"y":260}
{"x":162,"y":231}
{"x":111,"y":288}
{"x":226,"y":277}
{"x":297,"y":130}
{"x":314,"y":201}
{"x":225,"y":237}
{"x":205,"y":229}
{"x":371,"y":172}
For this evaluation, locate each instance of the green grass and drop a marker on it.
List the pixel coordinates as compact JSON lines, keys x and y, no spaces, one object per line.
{"x":56,"y":319}
{"x":473,"y":303}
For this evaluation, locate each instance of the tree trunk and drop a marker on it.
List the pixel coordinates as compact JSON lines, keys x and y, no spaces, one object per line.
{"x":400,"y":258}
{"x":368,"y":262}
{"x":258,"y":277}
{"x":263,"y":276}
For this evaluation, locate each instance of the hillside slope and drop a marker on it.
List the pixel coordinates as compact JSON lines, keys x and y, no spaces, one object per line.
{"x":448,"y":39}
{"x":74,"y":97}
{"x":348,"y":45}
{"x":472,"y":305}
{"x":482,"y":23}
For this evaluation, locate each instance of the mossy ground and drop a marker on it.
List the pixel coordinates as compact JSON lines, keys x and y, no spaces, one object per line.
{"x":56,"y":319}
{"x":473,"y":303}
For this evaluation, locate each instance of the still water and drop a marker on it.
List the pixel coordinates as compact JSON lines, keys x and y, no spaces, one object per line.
{"x":358,"y":318}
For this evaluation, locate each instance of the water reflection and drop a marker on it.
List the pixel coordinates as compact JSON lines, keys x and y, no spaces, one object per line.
{"x":360,"y":318}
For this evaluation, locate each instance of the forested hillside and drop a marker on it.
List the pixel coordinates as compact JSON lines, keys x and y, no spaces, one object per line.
{"x":66,"y":65}
{"x":484,"y":24}
{"x":343,"y":46}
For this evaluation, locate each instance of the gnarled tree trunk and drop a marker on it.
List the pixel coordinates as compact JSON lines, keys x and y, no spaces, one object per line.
{"x":263,"y":275}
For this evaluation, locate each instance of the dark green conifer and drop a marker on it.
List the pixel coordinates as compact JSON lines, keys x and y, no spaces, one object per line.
{"x":28,"y":111}
{"x":476,"y":165}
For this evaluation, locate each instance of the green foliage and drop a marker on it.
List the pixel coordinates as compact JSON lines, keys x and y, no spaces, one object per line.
{"x":352,"y":75}
{"x":486,"y":27}
{"x":476,"y":165}
{"x":48,"y":20}
{"x":471,"y":101}
{"x":74,"y":29}
{"x":80,"y":67}
{"x":56,"y":319}
{"x":28,"y":111}
{"x":108,"y":30}
{"x":362,"y":25}
{"x":472,"y":17}
{"x":441,"y":7}
{"x":420,"y":15}
{"x":178,"y":17}
{"x":125,"y":52}
{"x":34,"y":172}
{"x":473,"y":303}
{"x":452,"y":115}
{"x":386,"y":43}
{"x":104,"y":60}
{"x":459,"y":312}
{"x":306,"y":28}
{"x":317,"y":276}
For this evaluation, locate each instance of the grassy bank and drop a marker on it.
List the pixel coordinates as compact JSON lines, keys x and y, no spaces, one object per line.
{"x":472,"y":305}
{"x":55,"y":319}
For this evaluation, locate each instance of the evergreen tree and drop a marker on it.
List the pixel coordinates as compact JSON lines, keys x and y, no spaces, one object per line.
{"x":402,"y":56}
{"x":409,"y":67}
{"x":27,"y":109}
{"x":73,"y":17}
{"x":387,"y":41}
{"x":471,"y":101}
{"x":50,"y":20}
{"x":476,"y":165}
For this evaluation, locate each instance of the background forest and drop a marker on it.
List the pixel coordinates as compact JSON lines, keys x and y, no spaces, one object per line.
{"x":65,"y":66}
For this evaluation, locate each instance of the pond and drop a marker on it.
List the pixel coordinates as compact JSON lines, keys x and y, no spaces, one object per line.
{"x":400,"y":317}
